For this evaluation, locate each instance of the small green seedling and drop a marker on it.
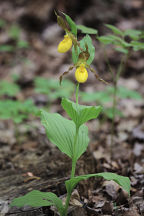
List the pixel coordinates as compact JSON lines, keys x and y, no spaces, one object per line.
{"x":52,"y":89}
{"x":8,"y":88}
{"x":70,"y":136}
{"x":2,"y":23}
{"x":13,"y":109}
{"x":14,"y":33}
{"x":16,"y":110}
{"x":105,"y":97}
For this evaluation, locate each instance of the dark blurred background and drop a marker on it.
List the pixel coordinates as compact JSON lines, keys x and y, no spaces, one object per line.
{"x":39,"y":14}
{"x":37,"y":23}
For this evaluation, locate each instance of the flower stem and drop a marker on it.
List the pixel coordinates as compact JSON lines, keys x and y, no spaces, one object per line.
{"x":74,"y":148}
{"x":72,"y":171}
{"x":74,"y":160}
{"x":67,"y":204}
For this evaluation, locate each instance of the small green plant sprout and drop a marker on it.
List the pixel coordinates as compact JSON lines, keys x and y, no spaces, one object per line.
{"x":2,"y":23}
{"x":104,"y":98}
{"x":52,"y":89}
{"x":8,"y":88}
{"x":124,"y":42}
{"x":71,"y":137}
{"x":14,"y":33}
{"x":16,"y":110}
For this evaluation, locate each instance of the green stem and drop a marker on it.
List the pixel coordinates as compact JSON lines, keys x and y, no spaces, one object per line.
{"x":119,"y":71}
{"x":73,"y":158}
{"x":72,"y":171}
{"x":74,"y":148}
{"x":113,"y":114}
{"x":108,"y":63}
{"x":67,"y":204}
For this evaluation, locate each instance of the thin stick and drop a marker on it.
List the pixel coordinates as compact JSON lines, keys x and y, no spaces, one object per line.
{"x":114,"y":106}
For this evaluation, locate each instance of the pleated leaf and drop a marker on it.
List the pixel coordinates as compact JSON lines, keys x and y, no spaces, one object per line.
{"x":36,"y":198}
{"x":114,"y":29}
{"x":75,"y":54}
{"x":80,"y":113}
{"x":91,"y":49}
{"x":61,"y":132}
{"x":85,"y":42}
{"x":133,"y":33}
{"x":71,"y":24}
{"x":123,"y":181}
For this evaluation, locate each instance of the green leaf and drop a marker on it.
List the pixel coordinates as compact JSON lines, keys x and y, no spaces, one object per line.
{"x":8,"y":88}
{"x":80,"y":113}
{"x":36,"y":198}
{"x":122,"y":50}
{"x":52,"y":88}
{"x":14,"y":32}
{"x":137,"y":45}
{"x":124,"y":182}
{"x":87,"y":30}
{"x":6,"y":48}
{"x":2,"y":23}
{"x":22,"y":44}
{"x":71,"y":24}
{"x":109,"y":112}
{"x":75,"y":54}
{"x":134,"y":34}
{"x":91,"y":49}
{"x":100,"y":96}
{"x":126,"y":93}
{"x":61,"y":132}
{"x":114,"y":29}
{"x":142,"y":35}
{"x":123,"y":92}
{"x":119,"y":41}
{"x":113,"y":39}
{"x":16,"y":110}
{"x":106,"y":39}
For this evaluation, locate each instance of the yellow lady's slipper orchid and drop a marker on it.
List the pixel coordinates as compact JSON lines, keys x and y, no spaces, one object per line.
{"x":65,"y":44}
{"x":81,"y":73}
